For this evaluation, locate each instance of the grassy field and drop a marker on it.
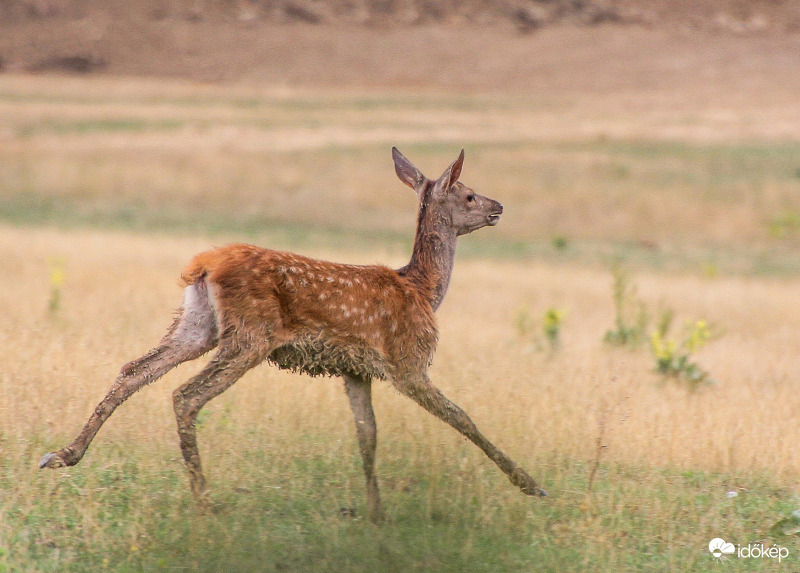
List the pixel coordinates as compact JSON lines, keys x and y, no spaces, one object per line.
{"x":107,"y":187}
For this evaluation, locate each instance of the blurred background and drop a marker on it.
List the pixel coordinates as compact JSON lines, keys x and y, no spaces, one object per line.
{"x":627,"y":333}
{"x":666,"y":129}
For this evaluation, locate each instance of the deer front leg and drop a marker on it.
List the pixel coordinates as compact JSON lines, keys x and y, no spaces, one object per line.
{"x":420,"y":389}
{"x":359,"y":392}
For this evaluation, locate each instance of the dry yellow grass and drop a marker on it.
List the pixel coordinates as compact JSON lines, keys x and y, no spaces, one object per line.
{"x":605,"y":170}
{"x":540,"y":407}
{"x":695,"y":176}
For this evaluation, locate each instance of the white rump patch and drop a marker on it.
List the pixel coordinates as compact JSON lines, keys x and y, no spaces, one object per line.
{"x":198,"y":324}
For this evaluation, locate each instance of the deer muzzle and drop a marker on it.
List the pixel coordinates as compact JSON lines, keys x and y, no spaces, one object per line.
{"x":494,"y":217}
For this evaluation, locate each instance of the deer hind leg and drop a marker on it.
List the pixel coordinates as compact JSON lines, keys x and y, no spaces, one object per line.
{"x":420,"y":389}
{"x":192,"y":334}
{"x":359,"y":392}
{"x":220,"y":374}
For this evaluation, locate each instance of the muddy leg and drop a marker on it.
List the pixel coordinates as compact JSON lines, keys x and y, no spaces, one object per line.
{"x":219,"y":375}
{"x":423,"y":392}
{"x":192,"y":334}
{"x":359,"y":391}
{"x":131,"y":378}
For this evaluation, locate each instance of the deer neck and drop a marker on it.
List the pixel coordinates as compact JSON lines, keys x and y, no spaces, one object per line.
{"x":432,"y":258}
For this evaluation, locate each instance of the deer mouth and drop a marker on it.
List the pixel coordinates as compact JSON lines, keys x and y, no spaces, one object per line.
{"x":493,"y":219}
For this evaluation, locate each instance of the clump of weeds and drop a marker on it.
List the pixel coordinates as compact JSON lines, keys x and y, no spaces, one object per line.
{"x":673,"y":356}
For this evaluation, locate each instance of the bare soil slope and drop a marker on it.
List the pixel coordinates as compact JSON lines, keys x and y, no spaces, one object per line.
{"x":701,"y":49}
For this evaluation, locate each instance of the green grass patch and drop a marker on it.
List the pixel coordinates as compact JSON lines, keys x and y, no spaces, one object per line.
{"x":286,"y":234}
{"x":90,"y":126}
{"x":124,"y":514}
{"x":713,"y":260}
{"x":292,"y":102}
{"x":304,"y":167}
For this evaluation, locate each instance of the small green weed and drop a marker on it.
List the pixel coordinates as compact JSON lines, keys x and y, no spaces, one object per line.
{"x":551,"y":325}
{"x":674,"y":359}
{"x":783,"y":224}
{"x":57,"y":275}
{"x":528,"y":327}
{"x":560,"y":242}
{"x":631,"y":317}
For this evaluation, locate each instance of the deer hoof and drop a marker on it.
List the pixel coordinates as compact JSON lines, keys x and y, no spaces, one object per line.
{"x":534,"y":491}
{"x":210,"y":507}
{"x":51,"y":460}
{"x":526,"y":483}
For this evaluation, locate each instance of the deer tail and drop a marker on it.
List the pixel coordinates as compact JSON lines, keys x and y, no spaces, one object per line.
{"x":198,"y":267}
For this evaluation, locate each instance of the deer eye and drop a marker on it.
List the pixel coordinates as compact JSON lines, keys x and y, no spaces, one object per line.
{"x":471,"y":197}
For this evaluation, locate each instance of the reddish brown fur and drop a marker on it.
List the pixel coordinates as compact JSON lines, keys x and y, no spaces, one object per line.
{"x":358,"y":322}
{"x":286,"y":298}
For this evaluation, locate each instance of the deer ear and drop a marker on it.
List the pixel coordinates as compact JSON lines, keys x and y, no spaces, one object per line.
{"x":451,"y":174}
{"x":406,"y":171}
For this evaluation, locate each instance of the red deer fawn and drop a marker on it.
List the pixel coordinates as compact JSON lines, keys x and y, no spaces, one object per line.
{"x":305,"y":315}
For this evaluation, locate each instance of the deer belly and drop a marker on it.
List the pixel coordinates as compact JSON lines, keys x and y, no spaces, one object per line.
{"x":324,"y":357}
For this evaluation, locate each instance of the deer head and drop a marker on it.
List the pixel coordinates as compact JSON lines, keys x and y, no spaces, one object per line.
{"x":446,"y":202}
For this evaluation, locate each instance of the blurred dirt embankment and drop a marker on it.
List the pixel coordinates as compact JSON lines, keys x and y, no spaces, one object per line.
{"x":470,"y":44}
